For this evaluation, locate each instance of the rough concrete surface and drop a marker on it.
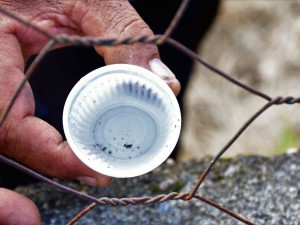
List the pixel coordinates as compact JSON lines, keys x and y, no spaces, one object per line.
{"x":265,"y":190}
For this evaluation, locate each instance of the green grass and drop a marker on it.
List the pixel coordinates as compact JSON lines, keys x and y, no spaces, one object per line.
{"x":289,"y":137}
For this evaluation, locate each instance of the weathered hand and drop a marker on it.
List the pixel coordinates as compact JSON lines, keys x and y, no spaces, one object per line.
{"x":29,"y":139}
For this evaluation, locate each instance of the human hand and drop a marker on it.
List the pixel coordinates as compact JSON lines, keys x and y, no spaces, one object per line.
{"x":31,"y":140}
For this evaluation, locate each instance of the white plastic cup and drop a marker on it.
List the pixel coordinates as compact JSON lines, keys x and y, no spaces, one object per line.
{"x":122,"y":120}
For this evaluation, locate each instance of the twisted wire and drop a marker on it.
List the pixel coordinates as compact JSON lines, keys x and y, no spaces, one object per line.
{"x":143,"y":200}
{"x":114,"y":201}
{"x":275,"y":101}
{"x":100,"y":41}
{"x":157,"y":199}
{"x":156,"y":40}
{"x":286,"y":100}
{"x":104,"y":41}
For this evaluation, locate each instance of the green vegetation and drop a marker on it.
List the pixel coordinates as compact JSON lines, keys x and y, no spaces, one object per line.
{"x":289,"y":137}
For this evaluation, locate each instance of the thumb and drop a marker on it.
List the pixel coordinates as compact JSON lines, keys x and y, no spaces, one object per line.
{"x":17,"y":209}
{"x":118,"y":19}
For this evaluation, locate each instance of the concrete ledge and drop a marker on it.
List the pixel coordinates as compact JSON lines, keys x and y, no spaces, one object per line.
{"x":260,"y":189}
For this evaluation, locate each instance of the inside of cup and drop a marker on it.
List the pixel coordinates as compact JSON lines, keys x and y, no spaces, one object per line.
{"x":126,"y":132}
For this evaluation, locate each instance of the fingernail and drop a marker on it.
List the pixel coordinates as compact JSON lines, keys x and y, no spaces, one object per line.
{"x":103,"y":181}
{"x":100,"y":181}
{"x":159,"y":68}
{"x":88,"y":180}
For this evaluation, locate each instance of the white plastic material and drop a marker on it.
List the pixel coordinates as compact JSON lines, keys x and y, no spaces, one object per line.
{"x":122,"y":120}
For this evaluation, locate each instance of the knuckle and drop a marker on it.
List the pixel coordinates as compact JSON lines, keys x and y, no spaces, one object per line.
{"x":118,"y":18}
{"x":136,"y":27}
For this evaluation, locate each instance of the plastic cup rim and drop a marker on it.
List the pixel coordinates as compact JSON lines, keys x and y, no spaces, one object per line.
{"x":96,"y":74}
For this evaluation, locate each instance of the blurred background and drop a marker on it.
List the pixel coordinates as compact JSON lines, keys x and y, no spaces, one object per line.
{"x":257,"y":42}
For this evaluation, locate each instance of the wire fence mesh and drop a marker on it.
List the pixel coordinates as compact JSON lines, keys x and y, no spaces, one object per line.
{"x":164,"y":39}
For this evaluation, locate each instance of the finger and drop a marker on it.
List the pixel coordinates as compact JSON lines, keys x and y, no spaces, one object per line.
{"x":39,"y":145}
{"x":17,"y":209}
{"x":159,"y":68}
{"x":113,"y":18}
{"x":118,"y":19}
{"x":27,"y":138}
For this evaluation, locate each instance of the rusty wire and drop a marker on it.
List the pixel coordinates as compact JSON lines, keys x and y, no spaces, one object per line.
{"x":156,"y":40}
